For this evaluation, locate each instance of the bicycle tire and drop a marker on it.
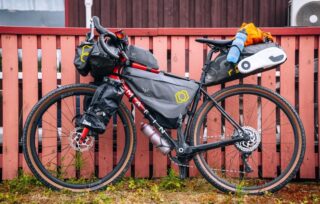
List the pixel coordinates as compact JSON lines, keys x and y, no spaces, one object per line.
{"x":30,"y":152}
{"x":295,"y":162}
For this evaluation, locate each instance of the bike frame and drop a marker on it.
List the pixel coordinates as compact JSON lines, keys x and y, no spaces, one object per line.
{"x":181,"y":145}
{"x":183,"y":149}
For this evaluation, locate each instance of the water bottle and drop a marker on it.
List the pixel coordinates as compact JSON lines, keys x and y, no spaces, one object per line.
{"x":155,"y":138}
{"x":237,"y":46}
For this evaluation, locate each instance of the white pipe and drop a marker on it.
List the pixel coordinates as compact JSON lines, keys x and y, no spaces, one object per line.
{"x":88,"y":4}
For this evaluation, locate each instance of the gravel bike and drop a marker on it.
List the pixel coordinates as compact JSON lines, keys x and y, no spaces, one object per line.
{"x":226,"y":146}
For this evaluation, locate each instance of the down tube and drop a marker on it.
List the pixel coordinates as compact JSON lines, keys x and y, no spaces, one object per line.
{"x":138,"y":104}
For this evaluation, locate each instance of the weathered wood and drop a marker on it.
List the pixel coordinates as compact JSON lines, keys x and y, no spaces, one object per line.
{"x":250,"y":118}
{"x":232,"y":156}
{"x":49,"y":119}
{"x":30,"y":79}
{"x":142,"y":153}
{"x":306,"y":102}
{"x":181,"y":13}
{"x":287,"y":90}
{"x":160,"y":52}
{"x":68,"y":107}
{"x":10,"y":106}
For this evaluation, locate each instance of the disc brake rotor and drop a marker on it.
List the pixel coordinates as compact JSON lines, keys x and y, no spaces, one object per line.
{"x":252,"y":144}
{"x":74,"y":140}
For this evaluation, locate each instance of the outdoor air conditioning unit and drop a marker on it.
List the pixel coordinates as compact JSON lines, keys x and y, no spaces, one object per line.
{"x":304,"y":13}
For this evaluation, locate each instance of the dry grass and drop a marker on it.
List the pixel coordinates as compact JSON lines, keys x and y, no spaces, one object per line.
{"x":27,"y":189}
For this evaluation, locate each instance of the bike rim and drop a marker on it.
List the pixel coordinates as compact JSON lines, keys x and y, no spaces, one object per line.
{"x":262,"y":176}
{"x":80,"y":170}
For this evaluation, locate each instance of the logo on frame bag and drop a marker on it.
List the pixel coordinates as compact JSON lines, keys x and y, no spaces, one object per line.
{"x":182,"y":96}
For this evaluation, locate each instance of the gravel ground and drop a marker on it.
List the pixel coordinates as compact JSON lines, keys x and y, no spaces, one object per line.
{"x":167,"y":190}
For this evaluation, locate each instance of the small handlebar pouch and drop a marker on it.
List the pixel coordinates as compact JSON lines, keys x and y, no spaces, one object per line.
{"x":81,"y":59}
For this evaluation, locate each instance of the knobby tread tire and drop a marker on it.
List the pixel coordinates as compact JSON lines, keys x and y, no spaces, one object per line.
{"x":193,"y":135}
{"x":51,"y":94}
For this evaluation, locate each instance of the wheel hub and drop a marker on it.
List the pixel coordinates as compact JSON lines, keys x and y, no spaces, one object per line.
{"x":250,"y":145}
{"x":74,"y":140}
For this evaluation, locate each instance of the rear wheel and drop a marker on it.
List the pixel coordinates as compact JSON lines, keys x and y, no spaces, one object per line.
{"x":268,"y":160}
{"x":52,"y":149}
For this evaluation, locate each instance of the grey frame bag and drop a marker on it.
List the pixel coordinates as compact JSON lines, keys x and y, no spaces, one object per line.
{"x":166,"y":97}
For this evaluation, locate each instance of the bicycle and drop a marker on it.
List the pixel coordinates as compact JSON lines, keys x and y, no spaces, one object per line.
{"x":243,"y":139}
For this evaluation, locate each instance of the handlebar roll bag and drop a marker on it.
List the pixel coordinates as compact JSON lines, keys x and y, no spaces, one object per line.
{"x":90,"y":57}
{"x":101,"y":63}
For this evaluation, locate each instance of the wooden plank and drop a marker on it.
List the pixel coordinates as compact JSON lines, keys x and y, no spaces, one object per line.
{"x":183,"y":13}
{"x":178,"y":57}
{"x":121,"y":136}
{"x":160,"y":13}
{"x":214,"y":125}
{"x":195,"y":58}
{"x":49,"y":119}
{"x":105,"y":154}
{"x":160,"y":52}
{"x":232,"y":156}
{"x":218,"y":9}
{"x":10,"y":106}
{"x":105,"y":18}
{"x":268,"y":128}
{"x":199,"y":13}
{"x":306,"y":100}
{"x":168,"y":13}
{"x":30,"y":79}
{"x":195,"y":70}
{"x":250,"y":118}
{"x":287,"y":90}
{"x":178,"y":64}
{"x":137,"y":15}
{"x":121,"y":15}
{"x":88,"y":156}
{"x":68,"y":106}
{"x":142,"y":153}
{"x":248,"y":11}
{"x":292,"y":31}
{"x":234,"y":18}
{"x":152,"y":14}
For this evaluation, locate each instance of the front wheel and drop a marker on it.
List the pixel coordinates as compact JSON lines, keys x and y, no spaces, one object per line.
{"x":52,"y":149}
{"x":268,"y":160}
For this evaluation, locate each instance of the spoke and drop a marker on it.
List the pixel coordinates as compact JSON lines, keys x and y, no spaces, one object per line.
{"x":226,"y":126}
{"x":71,"y":113}
{"x":54,"y":145}
{"x":54,"y":127}
{"x":252,"y":110}
{"x":266,"y":119}
{"x":69,"y":163}
{"x":54,"y":131}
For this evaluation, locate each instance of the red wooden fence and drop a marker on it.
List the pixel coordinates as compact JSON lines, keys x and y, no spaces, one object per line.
{"x":23,"y":81}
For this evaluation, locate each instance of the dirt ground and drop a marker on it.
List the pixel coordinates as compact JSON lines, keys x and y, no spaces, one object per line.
{"x":27,"y":189}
